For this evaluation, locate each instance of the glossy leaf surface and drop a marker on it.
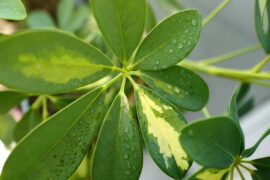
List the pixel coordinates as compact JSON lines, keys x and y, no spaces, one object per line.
{"x":118,"y":145}
{"x":209,"y":174}
{"x":7,"y":124}
{"x":10,"y":99}
{"x":248,"y":152}
{"x":12,"y":9}
{"x":213,"y":143}
{"x":49,"y":61}
{"x":122,"y":24}
{"x":161,"y":124}
{"x":30,"y":120}
{"x":233,"y":114}
{"x":56,"y":147}
{"x":263,"y":35}
{"x":170,"y":41}
{"x":263,"y":169}
{"x":40,"y":19}
{"x":179,"y":85}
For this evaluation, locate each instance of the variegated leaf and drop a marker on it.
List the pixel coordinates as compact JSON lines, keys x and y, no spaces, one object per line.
{"x":209,"y":174}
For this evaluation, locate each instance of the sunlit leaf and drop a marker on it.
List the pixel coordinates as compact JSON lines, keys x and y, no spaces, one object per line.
{"x":49,"y":61}
{"x":118,"y":145}
{"x":12,"y":9}
{"x":179,"y":85}
{"x":209,"y":174}
{"x":161,"y":125}
{"x":170,"y":41}
{"x":56,"y":147}
{"x":213,"y":143}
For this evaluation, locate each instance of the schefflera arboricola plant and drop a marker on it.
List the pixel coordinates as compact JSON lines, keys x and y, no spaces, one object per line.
{"x":53,"y":62}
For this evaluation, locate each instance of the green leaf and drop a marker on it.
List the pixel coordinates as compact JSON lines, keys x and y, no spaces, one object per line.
{"x":12,"y":9}
{"x":246,"y":107}
{"x":150,"y":18}
{"x":248,"y":152}
{"x":213,"y":142}
{"x":263,"y":169}
{"x":56,"y":147}
{"x":6,"y":127}
{"x":161,"y":124}
{"x":242,"y":92}
{"x":264,"y":37}
{"x":50,"y":62}
{"x":170,"y":41}
{"x":64,"y":12}
{"x":10,"y":99}
{"x":30,"y":120}
{"x":209,"y":174}
{"x":233,"y":114}
{"x":118,"y":144}
{"x":60,"y":102}
{"x":179,"y":85}
{"x":171,"y":6}
{"x":39,"y":19}
{"x":122,"y":24}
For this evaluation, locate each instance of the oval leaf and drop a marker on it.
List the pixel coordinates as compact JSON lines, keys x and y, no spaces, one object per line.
{"x":161,"y":124}
{"x":264,"y":36}
{"x":7,"y":124}
{"x":64,"y":12}
{"x":30,"y":120}
{"x":209,"y":174}
{"x":56,"y":147}
{"x":40,"y":19}
{"x":118,"y":144}
{"x":170,"y":41}
{"x":50,"y":62}
{"x":12,"y":9}
{"x":10,"y":99}
{"x":121,"y":23}
{"x":179,"y":85}
{"x":262,"y":171}
{"x":213,"y":143}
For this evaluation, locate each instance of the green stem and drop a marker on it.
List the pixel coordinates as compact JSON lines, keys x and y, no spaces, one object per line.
{"x":257,"y":68}
{"x":122,"y":90}
{"x":206,"y":112}
{"x":240,"y":173}
{"x":135,"y":85}
{"x":105,"y":86}
{"x":45,"y":112}
{"x":241,"y":75}
{"x":245,"y":161}
{"x":231,"y":173}
{"x":215,"y":12}
{"x":230,"y":55}
{"x":37,"y":103}
{"x":246,"y":168}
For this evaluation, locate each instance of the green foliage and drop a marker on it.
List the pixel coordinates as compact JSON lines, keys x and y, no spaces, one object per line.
{"x":92,"y":106}
{"x":12,"y":9}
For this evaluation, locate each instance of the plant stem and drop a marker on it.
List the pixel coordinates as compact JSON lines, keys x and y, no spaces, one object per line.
{"x":215,"y":12}
{"x":45,"y":112}
{"x":135,"y":85}
{"x":240,"y":173}
{"x":242,"y":75}
{"x":122,"y":90}
{"x":206,"y":112}
{"x":246,"y":168}
{"x":231,"y":172}
{"x":230,"y":55}
{"x":257,"y":68}
{"x":37,"y":103}
{"x":105,"y":86}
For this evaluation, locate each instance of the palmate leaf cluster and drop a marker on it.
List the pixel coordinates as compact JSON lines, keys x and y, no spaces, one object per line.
{"x":103,"y":131}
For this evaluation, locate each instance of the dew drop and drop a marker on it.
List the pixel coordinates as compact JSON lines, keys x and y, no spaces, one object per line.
{"x":194,"y":22}
{"x":169,"y":86}
{"x":126,"y":156}
{"x":174,"y":41}
{"x":186,"y":93}
{"x":186,"y":31}
{"x":157,"y":62}
{"x":177,"y":90}
{"x":155,"y":67}
{"x":190,"y":132}
{"x":180,"y":46}
{"x":171,"y":50}
{"x":126,"y":130}
{"x":127,"y":173}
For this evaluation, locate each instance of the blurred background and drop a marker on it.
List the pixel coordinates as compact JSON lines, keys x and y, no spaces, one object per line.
{"x":232,"y":29}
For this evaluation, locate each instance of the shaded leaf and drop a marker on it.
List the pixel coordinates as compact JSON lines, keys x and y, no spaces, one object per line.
{"x":242,"y":92}
{"x":30,"y":120}
{"x":170,"y":41}
{"x":12,"y":9}
{"x":263,"y":169}
{"x":59,"y":102}
{"x":39,"y":19}
{"x":150,"y":18}
{"x":7,"y":124}
{"x":49,"y":62}
{"x":171,"y":6}
{"x":209,"y":174}
{"x":179,"y":85}
{"x":56,"y":147}
{"x":248,"y":152}
{"x":246,"y":106}
{"x":118,"y":145}
{"x":161,"y":124}
{"x":213,"y":142}
{"x":233,"y":114}
{"x":64,"y":12}
{"x":264,"y":37}
{"x":10,"y":99}
{"x":122,"y":24}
